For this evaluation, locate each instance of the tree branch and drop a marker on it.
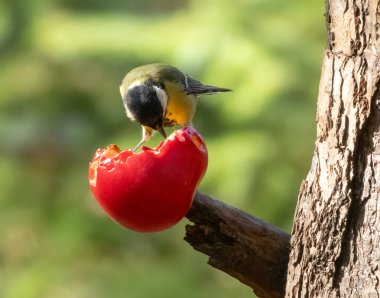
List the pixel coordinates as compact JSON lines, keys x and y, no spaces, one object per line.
{"x":254,"y":252}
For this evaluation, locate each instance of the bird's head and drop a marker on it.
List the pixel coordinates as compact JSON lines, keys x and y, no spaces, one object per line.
{"x":145,"y":102}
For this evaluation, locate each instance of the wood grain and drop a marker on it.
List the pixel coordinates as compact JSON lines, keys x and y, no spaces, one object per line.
{"x":251,"y":250}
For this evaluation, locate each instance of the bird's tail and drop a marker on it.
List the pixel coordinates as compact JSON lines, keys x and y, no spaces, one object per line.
{"x":213,"y":89}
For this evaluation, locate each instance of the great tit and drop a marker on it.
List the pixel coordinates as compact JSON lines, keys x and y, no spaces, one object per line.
{"x":159,"y":95}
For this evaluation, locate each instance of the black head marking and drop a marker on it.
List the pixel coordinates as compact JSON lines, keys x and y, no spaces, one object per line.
{"x":142,"y":102}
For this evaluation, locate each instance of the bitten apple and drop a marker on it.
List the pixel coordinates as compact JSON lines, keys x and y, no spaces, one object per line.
{"x":151,"y":190}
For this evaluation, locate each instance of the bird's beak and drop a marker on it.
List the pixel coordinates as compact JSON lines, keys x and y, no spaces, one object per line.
{"x":161,"y":130}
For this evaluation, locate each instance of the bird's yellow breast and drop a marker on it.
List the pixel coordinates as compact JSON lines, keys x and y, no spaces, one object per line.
{"x":180,"y":107}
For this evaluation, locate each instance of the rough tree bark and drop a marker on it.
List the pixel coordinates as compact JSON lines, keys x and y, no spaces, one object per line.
{"x":335,"y":242}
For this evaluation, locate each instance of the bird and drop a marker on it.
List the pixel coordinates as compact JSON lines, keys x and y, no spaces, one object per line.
{"x":159,"y":95}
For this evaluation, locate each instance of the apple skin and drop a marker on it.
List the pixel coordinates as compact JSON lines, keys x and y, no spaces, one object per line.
{"x":151,"y":190}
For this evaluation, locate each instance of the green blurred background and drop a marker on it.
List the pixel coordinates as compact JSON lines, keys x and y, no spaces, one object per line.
{"x":61,"y":62}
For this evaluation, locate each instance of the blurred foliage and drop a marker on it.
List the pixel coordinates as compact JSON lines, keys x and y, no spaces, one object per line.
{"x":61,"y":64}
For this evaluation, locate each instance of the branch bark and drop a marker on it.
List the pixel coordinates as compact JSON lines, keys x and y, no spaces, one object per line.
{"x":251,"y":250}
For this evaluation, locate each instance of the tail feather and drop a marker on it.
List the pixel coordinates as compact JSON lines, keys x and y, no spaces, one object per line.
{"x":214,"y":89}
{"x":192,"y":86}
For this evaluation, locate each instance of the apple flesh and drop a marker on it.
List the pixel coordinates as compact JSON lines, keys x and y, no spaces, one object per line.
{"x":151,"y":190}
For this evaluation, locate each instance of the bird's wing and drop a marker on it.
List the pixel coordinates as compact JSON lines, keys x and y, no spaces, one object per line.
{"x":192,"y":86}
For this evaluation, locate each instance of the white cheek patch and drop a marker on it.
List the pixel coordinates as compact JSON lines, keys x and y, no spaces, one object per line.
{"x":162,"y":96}
{"x":134,"y":84}
{"x":129,"y":114}
{"x":123,"y":91}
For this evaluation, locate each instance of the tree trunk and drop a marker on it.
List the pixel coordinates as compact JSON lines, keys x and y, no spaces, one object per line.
{"x":335,"y":243}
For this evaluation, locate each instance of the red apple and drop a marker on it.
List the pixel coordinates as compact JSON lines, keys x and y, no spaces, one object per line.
{"x":151,"y":190}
